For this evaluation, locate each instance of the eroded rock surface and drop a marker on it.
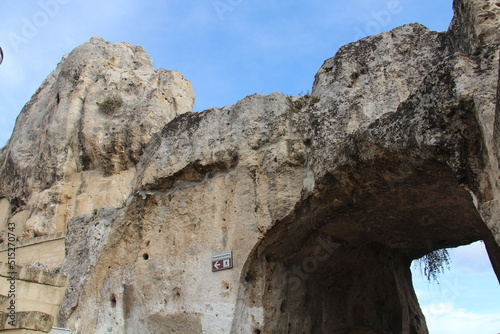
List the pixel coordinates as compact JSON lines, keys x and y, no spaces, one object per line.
{"x":324,"y":200}
{"x":69,"y":156}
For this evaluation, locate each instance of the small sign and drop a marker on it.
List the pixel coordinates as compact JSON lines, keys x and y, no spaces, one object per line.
{"x":222,"y":261}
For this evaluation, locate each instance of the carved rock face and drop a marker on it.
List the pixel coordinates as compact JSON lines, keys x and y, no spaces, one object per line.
{"x":324,"y":200}
{"x":65,"y":140}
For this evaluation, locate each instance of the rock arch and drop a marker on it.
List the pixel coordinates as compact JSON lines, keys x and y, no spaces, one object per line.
{"x":340,"y":263}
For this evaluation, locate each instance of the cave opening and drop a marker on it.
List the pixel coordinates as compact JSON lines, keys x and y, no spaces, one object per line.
{"x":464,"y":296}
{"x":340,"y":262}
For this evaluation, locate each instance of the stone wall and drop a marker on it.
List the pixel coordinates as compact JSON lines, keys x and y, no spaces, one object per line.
{"x":48,"y":249}
{"x":38,"y":294}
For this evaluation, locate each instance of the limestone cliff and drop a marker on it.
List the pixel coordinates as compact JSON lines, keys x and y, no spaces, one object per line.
{"x":69,"y":154}
{"x":324,"y":199}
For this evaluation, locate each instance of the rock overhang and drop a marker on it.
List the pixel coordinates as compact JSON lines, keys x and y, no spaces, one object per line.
{"x":388,"y":159}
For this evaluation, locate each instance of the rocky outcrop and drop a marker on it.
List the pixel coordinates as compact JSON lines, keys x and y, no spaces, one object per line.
{"x":324,"y":200}
{"x":77,"y":141}
{"x":86,"y":234}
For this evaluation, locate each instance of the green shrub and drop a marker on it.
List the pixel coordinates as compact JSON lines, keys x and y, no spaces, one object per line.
{"x":434,"y":264}
{"x":315,"y":99}
{"x":110,"y":104}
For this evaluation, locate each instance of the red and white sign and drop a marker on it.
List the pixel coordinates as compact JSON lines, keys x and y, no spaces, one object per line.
{"x":222,"y":261}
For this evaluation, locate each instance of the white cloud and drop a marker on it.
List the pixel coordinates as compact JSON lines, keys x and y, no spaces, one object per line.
{"x":444,"y":318}
{"x":471,"y":259}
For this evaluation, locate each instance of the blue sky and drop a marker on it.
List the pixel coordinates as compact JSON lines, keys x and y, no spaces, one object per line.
{"x":466,"y":298}
{"x":229,"y":49}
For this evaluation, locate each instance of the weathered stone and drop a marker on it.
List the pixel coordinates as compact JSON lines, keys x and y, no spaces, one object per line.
{"x":35,"y":321}
{"x":371,"y":77}
{"x":68,"y":154}
{"x":325,"y":200}
{"x":474,"y":28}
{"x":85,"y":238}
{"x":4,"y":213}
{"x":40,"y":266}
{"x":30,"y":274}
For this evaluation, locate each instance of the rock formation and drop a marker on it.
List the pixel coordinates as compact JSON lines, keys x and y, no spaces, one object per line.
{"x":324,"y":199}
{"x":67,"y":154}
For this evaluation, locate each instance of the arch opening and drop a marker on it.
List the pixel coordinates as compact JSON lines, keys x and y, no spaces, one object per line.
{"x":465,"y":294}
{"x":340,"y":262}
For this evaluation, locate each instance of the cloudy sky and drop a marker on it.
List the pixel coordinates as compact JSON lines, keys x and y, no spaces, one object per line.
{"x":229,"y":49}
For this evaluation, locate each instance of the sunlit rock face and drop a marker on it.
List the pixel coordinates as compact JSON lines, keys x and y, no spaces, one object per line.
{"x":73,"y":151}
{"x":324,"y":200}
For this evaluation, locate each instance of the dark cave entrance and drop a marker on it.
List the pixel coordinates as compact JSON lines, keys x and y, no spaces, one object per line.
{"x":340,"y":263}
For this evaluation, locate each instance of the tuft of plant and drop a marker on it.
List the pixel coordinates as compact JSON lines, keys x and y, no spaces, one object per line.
{"x":110,"y":105}
{"x":304,"y":93}
{"x":434,"y":263}
{"x":314,"y":99}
